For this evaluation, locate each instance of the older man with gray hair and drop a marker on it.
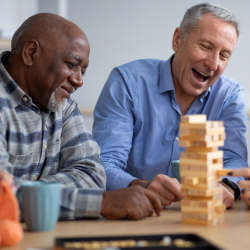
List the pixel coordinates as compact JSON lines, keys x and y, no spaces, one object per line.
{"x":138,"y":112}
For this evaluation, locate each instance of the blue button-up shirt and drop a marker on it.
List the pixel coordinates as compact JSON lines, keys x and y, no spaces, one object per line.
{"x":136,"y":121}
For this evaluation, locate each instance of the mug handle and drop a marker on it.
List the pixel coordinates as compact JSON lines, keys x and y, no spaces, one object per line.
{"x":20,"y":201}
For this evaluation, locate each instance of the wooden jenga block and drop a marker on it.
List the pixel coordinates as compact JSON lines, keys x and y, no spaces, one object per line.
{"x":199,"y":167}
{"x":205,"y":186}
{"x":186,"y":131}
{"x":201,"y":192}
{"x":200,"y":162}
{"x":201,"y":203}
{"x":194,"y":118}
{"x":202,"y":155}
{"x":207,"y":207}
{"x":218,"y":196}
{"x":223,"y":172}
{"x":201,"y":149}
{"x":206,"y":125}
{"x":201,"y":216}
{"x":203,"y":138}
{"x":206,"y":144}
{"x":188,"y":180}
{"x":213,"y":222}
{"x":200,"y":174}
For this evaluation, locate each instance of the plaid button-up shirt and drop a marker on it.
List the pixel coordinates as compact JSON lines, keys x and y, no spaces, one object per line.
{"x":50,"y":146}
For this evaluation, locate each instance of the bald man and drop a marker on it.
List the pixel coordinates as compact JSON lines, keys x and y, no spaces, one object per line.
{"x":42,"y":133}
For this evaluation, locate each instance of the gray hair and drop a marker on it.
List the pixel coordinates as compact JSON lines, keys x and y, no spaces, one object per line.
{"x":194,"y":14}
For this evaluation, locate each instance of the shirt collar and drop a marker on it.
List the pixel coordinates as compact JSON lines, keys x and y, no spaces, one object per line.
{"x":166,"y":79}
{"x":16,"y":94}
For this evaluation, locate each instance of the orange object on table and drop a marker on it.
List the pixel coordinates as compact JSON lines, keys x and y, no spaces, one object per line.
{"x":11,"y":231}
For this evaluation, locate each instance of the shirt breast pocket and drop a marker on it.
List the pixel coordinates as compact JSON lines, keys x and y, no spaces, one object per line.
{"x":20,"y":161}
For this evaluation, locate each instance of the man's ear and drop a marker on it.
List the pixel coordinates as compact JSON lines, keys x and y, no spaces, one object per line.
{"x":30,"y":52}
{"x":176,"y":39}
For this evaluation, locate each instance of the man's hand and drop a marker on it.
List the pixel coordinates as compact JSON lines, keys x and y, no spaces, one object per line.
{"x":168,"y":189}
{"x":133,"y":202}
{"x":228,"y":195}
{"x":245,"y":195}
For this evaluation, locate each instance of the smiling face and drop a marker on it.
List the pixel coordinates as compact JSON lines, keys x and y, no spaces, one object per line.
{"x":201,"y":59}
{"x":57,"y":71}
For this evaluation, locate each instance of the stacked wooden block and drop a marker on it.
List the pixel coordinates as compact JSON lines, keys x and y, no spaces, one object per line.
{"x":201,"y":166}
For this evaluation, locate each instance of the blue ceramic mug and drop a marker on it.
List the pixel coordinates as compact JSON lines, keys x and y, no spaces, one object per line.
{"x":40,"y":204}
{"x":175,"y":170}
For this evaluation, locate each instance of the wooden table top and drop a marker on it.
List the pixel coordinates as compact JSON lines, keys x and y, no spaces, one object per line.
{"x":233,"y":234}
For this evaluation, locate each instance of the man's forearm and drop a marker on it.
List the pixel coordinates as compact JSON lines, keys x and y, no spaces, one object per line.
{"x":143,"y":183}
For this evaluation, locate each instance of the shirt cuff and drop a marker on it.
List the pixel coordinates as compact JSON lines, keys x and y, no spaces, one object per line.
{"x":79,"y":203}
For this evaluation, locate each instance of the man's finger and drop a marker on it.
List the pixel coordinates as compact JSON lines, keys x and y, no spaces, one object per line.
{"x":155,"y":201}
{"x":245,"y":172}
{"x":173,"y":187}
{"x":163,"y":193}
{"x":244,"y":184}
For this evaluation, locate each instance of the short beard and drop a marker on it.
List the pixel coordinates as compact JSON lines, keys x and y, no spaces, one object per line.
{"x":55,"y":106}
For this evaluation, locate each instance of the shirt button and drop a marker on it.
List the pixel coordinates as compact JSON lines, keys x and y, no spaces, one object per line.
{"x":177,"y":138}
{"x":35,"y":178}
{"x":45,"y":146}
{"x":25,"y":99}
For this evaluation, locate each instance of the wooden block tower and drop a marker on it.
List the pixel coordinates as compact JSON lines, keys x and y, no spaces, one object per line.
{"x":201,"y":166}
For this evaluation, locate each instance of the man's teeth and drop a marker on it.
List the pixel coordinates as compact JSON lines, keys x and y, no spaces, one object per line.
{"x":201,"y":73}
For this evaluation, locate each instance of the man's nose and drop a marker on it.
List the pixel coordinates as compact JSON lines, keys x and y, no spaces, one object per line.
{"x":212,"y":62}
{"x":76,"y":78}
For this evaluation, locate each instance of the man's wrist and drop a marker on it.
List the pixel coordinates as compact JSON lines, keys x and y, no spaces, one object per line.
{"x":143,"y":183}
{"x":233,"y":187}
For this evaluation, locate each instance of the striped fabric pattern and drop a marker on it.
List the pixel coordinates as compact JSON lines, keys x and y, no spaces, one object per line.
{"x":50,"y":146}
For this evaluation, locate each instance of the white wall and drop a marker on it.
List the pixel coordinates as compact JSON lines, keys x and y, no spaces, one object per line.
{"x":126,"y":30}
{"x":14,"y":12}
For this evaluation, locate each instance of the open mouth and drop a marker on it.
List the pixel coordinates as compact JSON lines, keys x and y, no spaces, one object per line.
{"x":201,"y":77}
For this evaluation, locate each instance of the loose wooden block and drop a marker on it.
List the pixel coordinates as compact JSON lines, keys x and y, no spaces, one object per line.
{"x":216,"y":221}
{"x":202,"y":155}
{"x":194,"y":118}
{"x":201,"y":192}
{"x":223,"y":172}
{"x":200,"y":167}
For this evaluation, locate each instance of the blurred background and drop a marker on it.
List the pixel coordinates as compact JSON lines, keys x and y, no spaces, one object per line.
{"x":120,"y":31}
